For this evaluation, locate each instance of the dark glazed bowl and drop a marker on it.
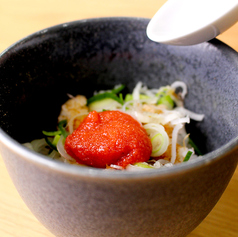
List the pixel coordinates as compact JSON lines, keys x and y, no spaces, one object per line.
{"x":36,"y":74}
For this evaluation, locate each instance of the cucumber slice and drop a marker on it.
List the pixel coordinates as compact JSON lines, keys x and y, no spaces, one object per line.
{"x":102,"y":96}
{"x":104,"y":104}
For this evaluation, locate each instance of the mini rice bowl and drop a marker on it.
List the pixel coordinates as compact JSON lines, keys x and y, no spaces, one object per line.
{"x":80,"y":57}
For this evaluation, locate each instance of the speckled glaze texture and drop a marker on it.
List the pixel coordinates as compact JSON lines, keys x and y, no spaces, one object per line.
{"x":79,"y":57}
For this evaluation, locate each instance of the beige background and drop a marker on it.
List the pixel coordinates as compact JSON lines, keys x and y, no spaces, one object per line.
{"x":19,"y":18}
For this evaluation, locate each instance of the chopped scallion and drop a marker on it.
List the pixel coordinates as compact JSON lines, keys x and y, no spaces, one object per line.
{"x":121,"y":96}
{"x":51,"y":134}
{"x":61,"y":126}
{"x":52,"y":146}
{"x":118,"y":89}
{"x":56,"y":139}
{"x":143,"y":165}
{"x":157,"y":140}
{"x":167,"y":101}
{"x":190,"y":141}
{"x":162,"y":92}
{"x":62,"y":123}
{"x":188,"y":155}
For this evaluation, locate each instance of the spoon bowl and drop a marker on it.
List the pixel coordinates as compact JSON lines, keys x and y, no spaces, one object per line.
{"x":186,"y":22}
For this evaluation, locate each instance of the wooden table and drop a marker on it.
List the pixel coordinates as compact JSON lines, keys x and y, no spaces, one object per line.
{"x":19,"y":18}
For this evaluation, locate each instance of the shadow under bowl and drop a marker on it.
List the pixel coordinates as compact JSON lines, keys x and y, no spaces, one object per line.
{"x":38,"y":72}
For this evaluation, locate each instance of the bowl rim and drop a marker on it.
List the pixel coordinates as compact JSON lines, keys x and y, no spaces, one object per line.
{"x":44,"y":161}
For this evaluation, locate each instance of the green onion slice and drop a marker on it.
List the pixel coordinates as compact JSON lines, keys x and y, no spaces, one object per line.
{"x":143,"y":165}
{"x":118,"y":89}
{"x":188,"y":155}
{"x":56,"y":139}
{"x":155,"y":140}
{"x":167,"y":101}
{"x":51,"y":134}
{"x":62,"y":123}
{"x":121,"y":97}
{"x":61,"y":126}
{"x":52,"y":146}
{"x":190,"y":141}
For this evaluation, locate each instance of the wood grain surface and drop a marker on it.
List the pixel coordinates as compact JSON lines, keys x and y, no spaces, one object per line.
{"x":19,"y":18}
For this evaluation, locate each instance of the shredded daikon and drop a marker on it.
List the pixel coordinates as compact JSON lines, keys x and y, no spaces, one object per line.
{"x":136,"y":91}
{"x":174,"y":141}
{"x":180,"y":120}
{"x":192,"y":115}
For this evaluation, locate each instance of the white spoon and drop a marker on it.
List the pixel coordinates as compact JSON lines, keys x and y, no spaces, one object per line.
{"x":188,"y":22}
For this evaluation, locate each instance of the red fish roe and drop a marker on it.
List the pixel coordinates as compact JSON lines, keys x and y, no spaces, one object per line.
{"x":109,"y":137}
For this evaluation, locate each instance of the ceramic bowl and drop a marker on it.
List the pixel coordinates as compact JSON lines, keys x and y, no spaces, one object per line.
{"x":80,"y":57}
